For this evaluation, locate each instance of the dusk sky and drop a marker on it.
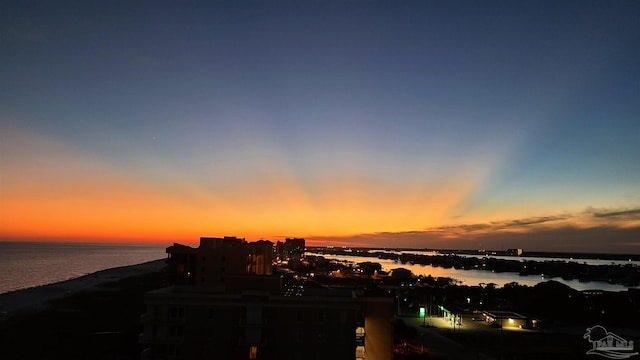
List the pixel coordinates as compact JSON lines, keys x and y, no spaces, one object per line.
{"x":446,"y":124}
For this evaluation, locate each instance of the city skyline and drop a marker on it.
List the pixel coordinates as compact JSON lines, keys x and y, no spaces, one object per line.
{"x":363,"y":123}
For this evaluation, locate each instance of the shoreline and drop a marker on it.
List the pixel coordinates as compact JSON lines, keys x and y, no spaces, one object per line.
{"x":38,"y":298}
{"x":625,"y":276}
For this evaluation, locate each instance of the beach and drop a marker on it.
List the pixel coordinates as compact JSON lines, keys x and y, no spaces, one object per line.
{"x":96,"y":316}
{"x":39,"y":298}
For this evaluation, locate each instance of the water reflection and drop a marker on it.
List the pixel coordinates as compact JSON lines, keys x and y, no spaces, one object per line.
{"x":476,"y":277}
{"x":530,"y":258}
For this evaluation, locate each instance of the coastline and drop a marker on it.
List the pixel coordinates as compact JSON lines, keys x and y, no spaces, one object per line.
{"x":39,"y":298}
{"x":580,"y":276}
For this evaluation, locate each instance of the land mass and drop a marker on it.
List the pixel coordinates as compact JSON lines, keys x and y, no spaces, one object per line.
{"x":627,"y":275}
{"x":98,"y":316}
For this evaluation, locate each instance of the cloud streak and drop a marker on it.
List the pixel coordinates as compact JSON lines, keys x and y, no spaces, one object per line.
{"x":634,"y":213}
{"x":502,"y":225}
{"x":564,"y":232}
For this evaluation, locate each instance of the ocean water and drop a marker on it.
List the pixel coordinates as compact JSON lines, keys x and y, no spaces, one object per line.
{"x":28,"y":264}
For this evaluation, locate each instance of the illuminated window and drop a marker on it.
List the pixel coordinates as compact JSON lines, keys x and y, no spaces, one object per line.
{"x":253,"y":352}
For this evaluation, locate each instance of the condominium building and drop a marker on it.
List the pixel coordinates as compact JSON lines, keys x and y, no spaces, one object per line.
{"x":246,"y":314}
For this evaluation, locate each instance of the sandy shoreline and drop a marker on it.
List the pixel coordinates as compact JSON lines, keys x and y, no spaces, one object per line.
{"x":38,"y":298}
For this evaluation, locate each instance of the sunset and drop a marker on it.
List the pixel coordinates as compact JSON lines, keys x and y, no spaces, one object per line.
{"x":320,"y":179}
{"x":352,"y":123}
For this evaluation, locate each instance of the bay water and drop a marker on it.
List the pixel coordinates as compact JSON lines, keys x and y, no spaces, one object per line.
{"x":477,"y":277}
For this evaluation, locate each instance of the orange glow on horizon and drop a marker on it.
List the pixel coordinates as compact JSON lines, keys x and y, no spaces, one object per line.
{"x":54,"y":192}
{"x":84,"y":197}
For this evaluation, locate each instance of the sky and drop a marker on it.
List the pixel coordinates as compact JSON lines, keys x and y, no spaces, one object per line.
{"x":426,"y":124}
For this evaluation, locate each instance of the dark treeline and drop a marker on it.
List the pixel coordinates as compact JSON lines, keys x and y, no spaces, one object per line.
{"x":628,"y":274}
{"x":543,"y":254}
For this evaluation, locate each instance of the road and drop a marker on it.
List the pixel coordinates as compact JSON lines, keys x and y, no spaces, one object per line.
{"x":435,"y":337}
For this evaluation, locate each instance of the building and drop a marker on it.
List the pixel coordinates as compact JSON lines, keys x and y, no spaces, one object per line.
{"x":260,"y":258}
{"x":515,"y":252}
{"x":294,"y":249}
{"x":508,"y":319}
{"x":182,"y":264}
{"x":279,"y":250}
{"x":217,"y":258}
{"x":196,"y":323}
{"x":243,"y":312}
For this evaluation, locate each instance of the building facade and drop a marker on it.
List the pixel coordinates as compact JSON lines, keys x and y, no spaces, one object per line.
{"x":294,"y":249}
{"x":196,"y":324}
{"x":216,"y":259}
{"x":227,"y":303}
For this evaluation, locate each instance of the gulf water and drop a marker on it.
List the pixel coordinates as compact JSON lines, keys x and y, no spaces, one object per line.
{"x":28,"y":264}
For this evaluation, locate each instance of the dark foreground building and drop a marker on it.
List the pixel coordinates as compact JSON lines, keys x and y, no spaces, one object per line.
{"x":248,"y":315}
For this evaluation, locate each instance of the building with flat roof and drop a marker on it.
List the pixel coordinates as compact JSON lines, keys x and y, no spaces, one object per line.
{"x":243,"y":311}
{"x":293,"y":249}
{"x":216,"y":259}
{"x":260,"y":258}
{"x":195,"y":323}
{"x":505,"y":319}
